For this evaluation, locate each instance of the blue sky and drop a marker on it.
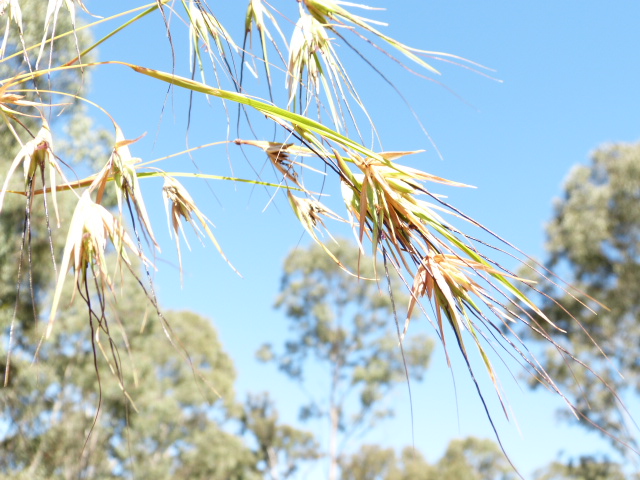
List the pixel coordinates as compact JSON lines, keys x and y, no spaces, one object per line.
{"x":568,"y":81}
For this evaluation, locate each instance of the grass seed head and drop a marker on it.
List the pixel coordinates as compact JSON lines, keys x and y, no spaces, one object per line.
{"x":279,"y":155}
{"x":309,"y":37}
{"x":15,"y":15}
{"x":91,"y":228}
{"x":122,"y":169}
{"x":310,"y":212}
{"x":204,"y":25}
{"x":180,"y":206}
{"x":36,"y":154}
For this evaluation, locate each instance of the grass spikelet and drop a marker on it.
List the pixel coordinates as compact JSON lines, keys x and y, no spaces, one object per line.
{"x":314,"y":64}
{"x":279,"y":154}
{"x":90,"y":229}
{"x":204,"y":27}
{"x":15,"y":15}
{"x":326,"y":11}
{"x":310,"y":212}
{"x":36,"y":154}
{"x":51,"y":19}
{"x":180,"y":206}
{"x":395,"y":208}
{"x":256,"y":14}
{"x":121,"y":167}
{"x":309,"y":37}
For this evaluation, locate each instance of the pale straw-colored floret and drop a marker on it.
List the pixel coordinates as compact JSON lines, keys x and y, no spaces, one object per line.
{"x":121,"y":168}
{"x":180,"y":206}
{"x":280,"y":156}
{"x":309,"y":37}
{"x":15,"y":15}
{"x":36,"y":154}
{"x":92,"y":227}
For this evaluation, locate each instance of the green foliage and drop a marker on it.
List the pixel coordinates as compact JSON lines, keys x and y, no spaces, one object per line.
{"x":281,"y":448}
{"x":469,"y":459}
{"x":584,"y":468}
{"x":371,"y":462}
{"x":595,"y":236}
{"x":148,"y":412}
{"x":477,"y":459}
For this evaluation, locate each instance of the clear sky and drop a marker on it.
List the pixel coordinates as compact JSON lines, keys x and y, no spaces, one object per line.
{"x":568,"y":76}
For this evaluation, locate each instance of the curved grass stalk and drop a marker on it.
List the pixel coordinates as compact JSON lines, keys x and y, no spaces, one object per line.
{"x":305,"y":125}
{"x":78,"y":184}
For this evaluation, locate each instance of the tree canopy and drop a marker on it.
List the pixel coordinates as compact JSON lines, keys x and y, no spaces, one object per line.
{"x":343,"y":348}
{"x":470,"y":458}
{"x":594,"y":236}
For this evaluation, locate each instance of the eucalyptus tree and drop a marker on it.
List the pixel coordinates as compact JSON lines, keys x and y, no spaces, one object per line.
{"x":342,"y":348}
{"x":282,"y":450}
{"x":594,"y":236}
{"x":584,"y":468}
{"x":162,"y":413}
{"x":469,"y":458}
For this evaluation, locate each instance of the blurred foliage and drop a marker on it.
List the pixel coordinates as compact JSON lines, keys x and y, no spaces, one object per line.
{"x":584,"y":468}
{"x":77,"y":413}
{"x":469,"y":459}
{"x":594,"y":236}
{"x":281,"y":448}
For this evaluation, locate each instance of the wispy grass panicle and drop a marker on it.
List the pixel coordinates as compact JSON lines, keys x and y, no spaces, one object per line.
{"x":446,"y":268}
{"x":36,"y":154}
{"x":257,"y":13}
{"x":394,"y":206}
{"x":91,"y":228}
{"x":121,"y":169}
{"x":203,"y":28}
{"x":180,"y":206}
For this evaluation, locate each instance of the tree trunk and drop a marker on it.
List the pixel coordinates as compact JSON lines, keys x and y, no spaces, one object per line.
{"x":333,"y":443}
